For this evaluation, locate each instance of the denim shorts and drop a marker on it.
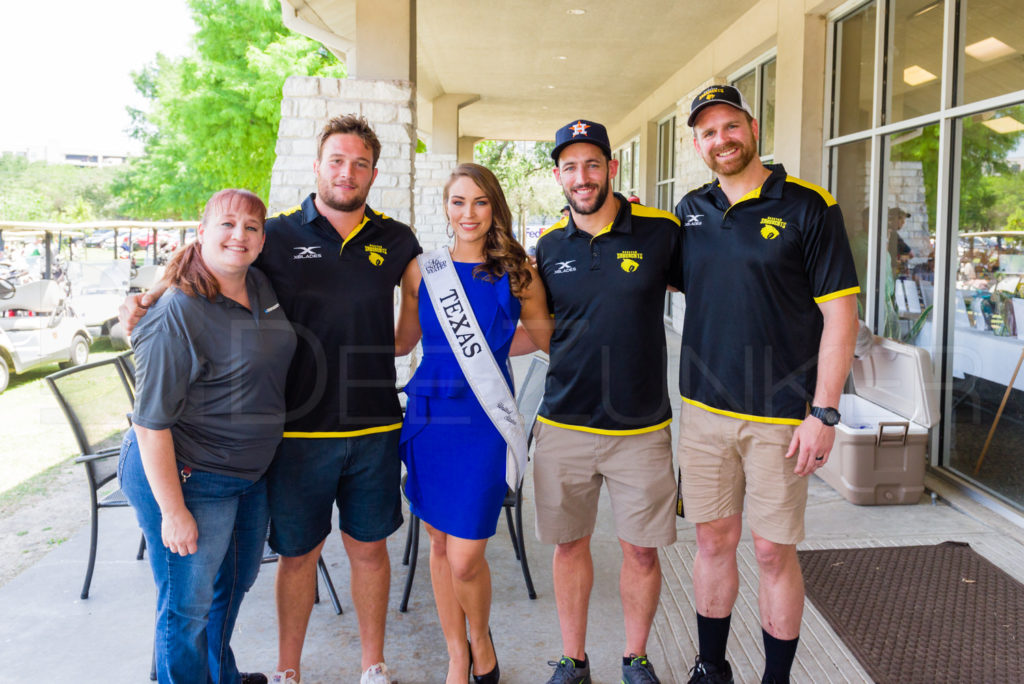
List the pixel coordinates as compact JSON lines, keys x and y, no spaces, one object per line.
{"x":361,"y":475}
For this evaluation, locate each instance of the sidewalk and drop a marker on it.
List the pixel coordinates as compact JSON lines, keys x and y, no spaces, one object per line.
{"x":49,"y":635}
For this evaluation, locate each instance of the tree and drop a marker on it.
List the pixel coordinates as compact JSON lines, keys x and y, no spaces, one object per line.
{"x":214,"y":114}
{"x":37,"y":191}
{"x":524,"y":171}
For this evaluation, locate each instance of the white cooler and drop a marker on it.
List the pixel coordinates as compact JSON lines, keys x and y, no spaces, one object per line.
{"x":882,"y":440}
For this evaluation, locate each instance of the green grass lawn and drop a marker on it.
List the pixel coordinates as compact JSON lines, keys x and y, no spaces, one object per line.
{"x":36,"y":435}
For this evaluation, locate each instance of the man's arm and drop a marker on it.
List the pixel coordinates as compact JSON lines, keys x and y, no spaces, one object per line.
{"x":536,"y":326}
{"x":812,"y":441}
{"x":407,"y":329}
{"x":134,"y":307}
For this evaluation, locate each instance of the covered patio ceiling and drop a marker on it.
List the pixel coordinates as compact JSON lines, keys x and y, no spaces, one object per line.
{"x":537,"y":63}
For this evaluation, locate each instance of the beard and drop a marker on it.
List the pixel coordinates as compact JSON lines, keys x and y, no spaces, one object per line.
{"x":733,"y":166}
{"x":339,"y":202}
{"x":595,"y":203}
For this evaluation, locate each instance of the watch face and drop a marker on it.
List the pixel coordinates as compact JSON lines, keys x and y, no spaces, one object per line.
{"x":828,"y":416}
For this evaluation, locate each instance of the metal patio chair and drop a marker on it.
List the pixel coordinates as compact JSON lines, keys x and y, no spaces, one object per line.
{"x":97,"y":399}
{"x":528,"y":399}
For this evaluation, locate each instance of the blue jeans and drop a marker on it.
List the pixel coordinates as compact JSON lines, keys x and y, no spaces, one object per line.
{"x":198,"y":596}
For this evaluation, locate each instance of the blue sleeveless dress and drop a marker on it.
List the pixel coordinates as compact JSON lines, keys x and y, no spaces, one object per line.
{"x":454,"y":456}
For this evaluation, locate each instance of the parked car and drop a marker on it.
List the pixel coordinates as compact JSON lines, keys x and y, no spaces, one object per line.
{"x":37,"y":328}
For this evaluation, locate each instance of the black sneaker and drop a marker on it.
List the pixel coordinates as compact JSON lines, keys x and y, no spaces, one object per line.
{"x":639,"y":671}
{"x":706,"y":673}
{"x":566,"y":671}
{"x":252,"y":678}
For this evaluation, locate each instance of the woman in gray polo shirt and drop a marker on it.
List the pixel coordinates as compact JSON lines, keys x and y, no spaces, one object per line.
{"x":211,"y":358}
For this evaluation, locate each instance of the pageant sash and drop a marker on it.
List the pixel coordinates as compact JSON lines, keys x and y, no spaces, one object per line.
{"x":453,"y":311}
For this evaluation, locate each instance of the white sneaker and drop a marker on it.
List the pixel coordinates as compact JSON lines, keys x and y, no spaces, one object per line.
{"x":286,"y":677}
{"x":376,"y":674}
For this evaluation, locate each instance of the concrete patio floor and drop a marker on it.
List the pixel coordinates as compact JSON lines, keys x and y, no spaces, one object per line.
{"x":49,"y":635}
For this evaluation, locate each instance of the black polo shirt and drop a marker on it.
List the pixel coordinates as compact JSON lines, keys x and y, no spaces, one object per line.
{"x":754,"y":275}
{"x":339,"y":296}
{"x":608,"y":372}
{"x":214,"y":374}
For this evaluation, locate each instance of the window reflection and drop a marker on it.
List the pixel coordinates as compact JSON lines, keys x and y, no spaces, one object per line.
{"x":993,"y":49}
{"x":916,"y":60}
{"x":850,"y":187}
{"x":988,"y":326}
{"x":908,"y":269}
{"x":855,"y":69}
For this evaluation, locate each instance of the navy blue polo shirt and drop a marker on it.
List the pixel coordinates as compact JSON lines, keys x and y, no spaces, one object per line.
{"x":608,"y":371}
{"x":339,"y":295}
{"x":214,"y":374}
{"x":754,"y":275}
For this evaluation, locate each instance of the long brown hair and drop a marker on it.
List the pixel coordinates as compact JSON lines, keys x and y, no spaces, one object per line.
{"x":502,"y":252}
{"x":187,"y":271}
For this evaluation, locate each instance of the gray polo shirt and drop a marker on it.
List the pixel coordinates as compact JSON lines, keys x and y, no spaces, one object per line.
{"x":214,"y":373}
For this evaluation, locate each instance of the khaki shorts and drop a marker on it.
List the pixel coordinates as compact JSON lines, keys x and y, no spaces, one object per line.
{"x":723,"y":458}
{"x":569,"y":467}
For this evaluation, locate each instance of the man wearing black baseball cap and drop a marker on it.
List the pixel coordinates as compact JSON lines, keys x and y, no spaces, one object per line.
{"x":606,"y":414}
{"x":774,"y":247}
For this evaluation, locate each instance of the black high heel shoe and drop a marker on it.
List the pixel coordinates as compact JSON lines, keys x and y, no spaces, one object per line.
{"x":492,"y":677}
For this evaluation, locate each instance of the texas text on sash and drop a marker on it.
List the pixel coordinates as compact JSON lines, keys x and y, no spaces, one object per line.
{"x":453,"y":311}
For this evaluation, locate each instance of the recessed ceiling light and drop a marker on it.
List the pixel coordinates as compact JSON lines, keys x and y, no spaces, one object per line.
{"x":576,"y":12}
{"x":550,"y":87}
{"x":915,"y":75}
{"x":989,"y":49}
{"x":1005,"y":124}
{"x":562,"y":57}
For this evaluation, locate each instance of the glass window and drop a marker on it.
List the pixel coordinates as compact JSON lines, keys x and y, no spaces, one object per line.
{"x":854,"y":70}
{"x":916,"y":77}
{"x":758,"y":88}
{"x":766,"y":112}
{"x":993,"y":49}
{"x":850,"y":178}
{"x":907,"y":266}
{"x":666,"y":163}
{"x":988,"y":325}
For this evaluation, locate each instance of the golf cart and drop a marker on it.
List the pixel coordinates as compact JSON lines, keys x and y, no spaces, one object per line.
{"x":37,"y":328}
{"x":97,"y":289}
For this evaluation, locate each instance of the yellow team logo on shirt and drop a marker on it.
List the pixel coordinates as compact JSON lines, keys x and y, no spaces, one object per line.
{"x":629,"y":260}
{"x":772,"y":227}
{"x":376,"y":254}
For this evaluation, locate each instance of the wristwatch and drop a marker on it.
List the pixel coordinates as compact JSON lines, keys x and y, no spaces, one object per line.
{"x":827,"y":415}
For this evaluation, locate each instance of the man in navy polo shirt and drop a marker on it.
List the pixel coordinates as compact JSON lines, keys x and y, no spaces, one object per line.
{"x":769,"y":330}
{"x":606,"y":414}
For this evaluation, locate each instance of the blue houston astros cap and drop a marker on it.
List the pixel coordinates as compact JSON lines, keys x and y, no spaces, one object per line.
{"x":581,"y":130}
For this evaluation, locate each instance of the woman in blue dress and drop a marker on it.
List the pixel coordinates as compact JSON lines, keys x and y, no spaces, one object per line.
{"x":454,"y":456}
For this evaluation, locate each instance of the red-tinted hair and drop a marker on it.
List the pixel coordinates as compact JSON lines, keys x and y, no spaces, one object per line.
{"x":187,"y":271}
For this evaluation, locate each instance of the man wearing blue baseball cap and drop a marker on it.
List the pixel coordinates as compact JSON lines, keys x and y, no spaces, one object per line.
{"x":760,"y":385}
{"x":606,"y":414}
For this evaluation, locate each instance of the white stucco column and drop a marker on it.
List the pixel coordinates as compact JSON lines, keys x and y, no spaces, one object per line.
{"x":800,"y":90}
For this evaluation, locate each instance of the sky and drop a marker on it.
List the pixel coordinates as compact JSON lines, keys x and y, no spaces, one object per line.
{"x":65,"y":68}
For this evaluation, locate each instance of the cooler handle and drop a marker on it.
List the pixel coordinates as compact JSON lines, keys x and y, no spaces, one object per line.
{"x":892,"y":438}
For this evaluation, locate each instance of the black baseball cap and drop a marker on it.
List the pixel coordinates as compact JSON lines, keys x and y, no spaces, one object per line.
{"x":581,"y":130}
{"x":718,"y":94}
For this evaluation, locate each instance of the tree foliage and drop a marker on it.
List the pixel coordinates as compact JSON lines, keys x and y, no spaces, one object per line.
{"x":38,"y":191}
{"x":214,"y":114}
{"x":988,"y":198}
{"x":524,"y":171}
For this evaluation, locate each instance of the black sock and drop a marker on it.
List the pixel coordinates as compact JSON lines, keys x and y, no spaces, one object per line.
{"x":778,"y":656}
{"x":713,"y":635}
{"x":579,"y":663}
